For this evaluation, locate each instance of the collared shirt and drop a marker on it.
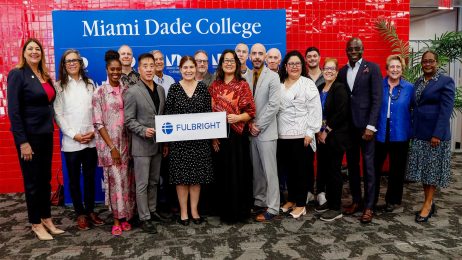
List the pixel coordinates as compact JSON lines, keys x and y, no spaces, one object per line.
{"x":130,"y":79}
{"x":166,"y":81}
{"x":73,"y":112}
{"x":153,"y":94}
{"x":398,"y":106}
{"x":352,"y":72}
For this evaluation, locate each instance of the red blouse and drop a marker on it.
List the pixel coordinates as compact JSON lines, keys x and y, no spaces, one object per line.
{"x":234,"y":98}
{"x":49,"y":90}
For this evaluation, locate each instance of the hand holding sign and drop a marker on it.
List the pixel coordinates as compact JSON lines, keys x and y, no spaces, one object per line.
{"x":150,"y":132}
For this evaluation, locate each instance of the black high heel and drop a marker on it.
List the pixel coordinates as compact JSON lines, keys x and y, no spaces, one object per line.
{"x":184,"y":222}
{"x":198,"y":220}
{"x":420,"y":219}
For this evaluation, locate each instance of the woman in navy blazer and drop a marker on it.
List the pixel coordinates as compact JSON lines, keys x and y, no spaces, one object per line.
{"x":430,"y":152}
{"x":393,"y":132}
{"x":30,"y":109}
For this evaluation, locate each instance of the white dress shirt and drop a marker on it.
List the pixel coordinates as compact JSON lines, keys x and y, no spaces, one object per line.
{"x":73,"y":113}
{"x":166,"y":81}
{"x":352,"y":72}
{"x":300,"y":113}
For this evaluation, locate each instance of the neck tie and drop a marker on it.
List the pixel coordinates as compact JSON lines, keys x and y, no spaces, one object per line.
{"x":255,"y":80}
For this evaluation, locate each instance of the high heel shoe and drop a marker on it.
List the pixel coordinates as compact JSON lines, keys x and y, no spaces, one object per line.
{"x":184,"y":222}
{"x":198,"y":220}
{"x":53,"y":230}
{"x":302,"y":213}
{"x":420,"y":219}
{"x":41,"y":233}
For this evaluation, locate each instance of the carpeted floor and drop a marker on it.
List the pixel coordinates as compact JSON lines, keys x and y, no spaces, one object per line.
{"x":390,"y":235}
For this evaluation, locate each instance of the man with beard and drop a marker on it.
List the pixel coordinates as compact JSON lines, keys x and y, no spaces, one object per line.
{"x":202,"y":70}
{"x":273,"y":59}
{"x":160,"y":78}
{"x":364,"y":85}
{"x":242,"y":51}
{"x":313,"y":58}
{"x":265,"y":86}
{"x":129,"y":75}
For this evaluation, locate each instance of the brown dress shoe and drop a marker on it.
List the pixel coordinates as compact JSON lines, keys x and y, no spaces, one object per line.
{"x":82,"y":222}
{"x":367,"y":216}
{"x":95,"y":220}
{"x":352,"y":209}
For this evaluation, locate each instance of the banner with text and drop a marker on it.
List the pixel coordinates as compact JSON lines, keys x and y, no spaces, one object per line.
{"x":191,"y":126}
{"x":175,"y":32}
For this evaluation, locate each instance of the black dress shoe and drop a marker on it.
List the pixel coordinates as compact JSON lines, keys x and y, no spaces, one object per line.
{"x":148,"y":227}
{"x":158,"y":218}
{"x":184,"y":222}
{"x":389,"y":208}
{"x":198,"y":220}
{"x":256,"y":210}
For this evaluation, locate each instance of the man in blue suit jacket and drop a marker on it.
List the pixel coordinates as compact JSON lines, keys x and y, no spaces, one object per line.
{"x":364,"y":85}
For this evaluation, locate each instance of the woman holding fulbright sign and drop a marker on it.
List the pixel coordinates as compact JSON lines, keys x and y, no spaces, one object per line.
{"x":190,"y":161}
{"x":231,"y":93}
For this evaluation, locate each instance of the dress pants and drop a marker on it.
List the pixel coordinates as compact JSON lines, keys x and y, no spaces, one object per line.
{"x":147,"y":174}
{"x":329,"y":169}
{"x":398,"y":152}
{"x":265,"y":174}
{"x":83,"y":161}
{"x":322,"y":162}
{"x":37,"y":176}
{"x":367,"y":149}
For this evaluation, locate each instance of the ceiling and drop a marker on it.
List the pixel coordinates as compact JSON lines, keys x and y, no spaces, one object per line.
{"x":421,"y":8}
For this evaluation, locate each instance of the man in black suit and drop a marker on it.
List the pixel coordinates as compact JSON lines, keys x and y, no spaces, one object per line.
{"x":364,"y":85}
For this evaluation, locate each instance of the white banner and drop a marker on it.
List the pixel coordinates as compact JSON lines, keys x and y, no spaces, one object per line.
{"x":191,"y":126}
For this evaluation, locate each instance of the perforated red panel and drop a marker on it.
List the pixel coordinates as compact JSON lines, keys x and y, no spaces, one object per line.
{"x":326,"y":24}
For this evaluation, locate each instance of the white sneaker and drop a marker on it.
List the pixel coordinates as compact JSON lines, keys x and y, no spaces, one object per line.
{"x":310,"y":197}
{"x":322,"y":198}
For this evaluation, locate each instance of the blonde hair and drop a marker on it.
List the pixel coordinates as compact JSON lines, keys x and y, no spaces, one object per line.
{"x":42,"y":67}
{"x":395,"y":57}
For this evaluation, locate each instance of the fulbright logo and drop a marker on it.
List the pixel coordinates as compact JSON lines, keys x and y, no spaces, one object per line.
{"x":167,"y":128}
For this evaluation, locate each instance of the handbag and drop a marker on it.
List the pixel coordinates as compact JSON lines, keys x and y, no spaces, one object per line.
{"x":57,"y":197}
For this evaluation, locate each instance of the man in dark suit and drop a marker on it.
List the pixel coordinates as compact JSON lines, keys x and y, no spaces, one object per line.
{"x":142,"y":102}
{"x":364,"y":85}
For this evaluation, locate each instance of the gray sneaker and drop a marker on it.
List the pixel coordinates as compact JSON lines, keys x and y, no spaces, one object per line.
{"x":331,"y":215}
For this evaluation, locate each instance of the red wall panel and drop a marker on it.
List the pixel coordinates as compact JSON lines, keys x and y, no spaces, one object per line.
{"x":326,"y":24}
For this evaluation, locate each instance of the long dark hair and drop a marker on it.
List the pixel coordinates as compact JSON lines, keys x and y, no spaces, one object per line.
{"x":221,"y":73}
{"x":283,"y":71}
{"x":64,"y":76}
{"x":42,"y":67}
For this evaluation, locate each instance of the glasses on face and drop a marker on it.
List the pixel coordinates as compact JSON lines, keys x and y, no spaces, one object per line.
{"x":350,"y":49}
{"x":225,"y":61}
{"x":72,"y":61}
{"x":201,"y":61}
{"x":329,"y":69}
{"x":430,"y":62}
{"x":294,"y":64}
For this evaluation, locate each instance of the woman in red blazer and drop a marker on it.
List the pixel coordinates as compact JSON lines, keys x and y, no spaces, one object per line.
{"x":30,"y":109}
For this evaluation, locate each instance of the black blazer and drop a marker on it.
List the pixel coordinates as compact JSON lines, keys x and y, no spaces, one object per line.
{"x":336,"y":113}
{"x":366,"y":96}
{"x":29,"y":110}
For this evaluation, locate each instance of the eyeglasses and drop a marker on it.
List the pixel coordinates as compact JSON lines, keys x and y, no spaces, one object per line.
{"x":294,"y":64}
{"x":72,"y":61}
{"x":201,"y":61}
{"x":350,"y":49}
{"x":329,"y":69}
{"x":428,"y":62}
{"x":229,"y":62}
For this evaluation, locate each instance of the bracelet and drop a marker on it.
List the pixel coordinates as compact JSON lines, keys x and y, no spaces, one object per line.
{"x":111,"y":147}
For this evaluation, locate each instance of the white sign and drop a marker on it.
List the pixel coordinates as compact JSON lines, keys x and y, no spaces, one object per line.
{"x":195,"y":126}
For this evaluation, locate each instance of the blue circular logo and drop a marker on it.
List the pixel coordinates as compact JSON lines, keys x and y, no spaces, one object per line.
{"x":167,"y":128}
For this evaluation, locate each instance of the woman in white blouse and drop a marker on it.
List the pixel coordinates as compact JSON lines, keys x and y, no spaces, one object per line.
{"x":73,"y":113}
{"x":299,"y":119}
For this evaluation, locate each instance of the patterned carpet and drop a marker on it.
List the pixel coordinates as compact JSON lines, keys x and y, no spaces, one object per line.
{"x":390,"y":235}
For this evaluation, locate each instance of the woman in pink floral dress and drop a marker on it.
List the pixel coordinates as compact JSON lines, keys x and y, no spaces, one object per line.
{"x":112,"y":145}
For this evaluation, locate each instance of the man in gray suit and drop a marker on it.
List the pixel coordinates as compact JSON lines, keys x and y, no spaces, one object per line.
{"x":142,"y":102}
{"x":265,"y":87}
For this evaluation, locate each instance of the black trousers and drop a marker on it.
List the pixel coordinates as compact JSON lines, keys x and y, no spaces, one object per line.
{"x":37,"y":176}
{"x":297,"y":160}
{"x":367,"y":150}
{"x":398,"y":152}
{"x":82,"y":162}
{"x":329,"y":171}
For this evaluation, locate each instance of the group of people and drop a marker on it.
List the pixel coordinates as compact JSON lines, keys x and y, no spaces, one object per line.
{"x":280,"y":118}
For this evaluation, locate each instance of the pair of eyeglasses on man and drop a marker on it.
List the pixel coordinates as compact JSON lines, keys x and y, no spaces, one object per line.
{"x":428,"y":62}
{"x":354,"y":49}
{"x":201,"y":61}
{"x":72,"y":61}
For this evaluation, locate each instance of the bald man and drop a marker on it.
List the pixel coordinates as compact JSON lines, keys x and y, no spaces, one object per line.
{"x":129,"y":76}
{"x":273,"y":59}
{"x":265,"y":87}
{"x":242,"y":51}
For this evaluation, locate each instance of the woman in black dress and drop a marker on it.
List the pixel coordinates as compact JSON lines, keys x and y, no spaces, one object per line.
{"x":190,"y":161}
